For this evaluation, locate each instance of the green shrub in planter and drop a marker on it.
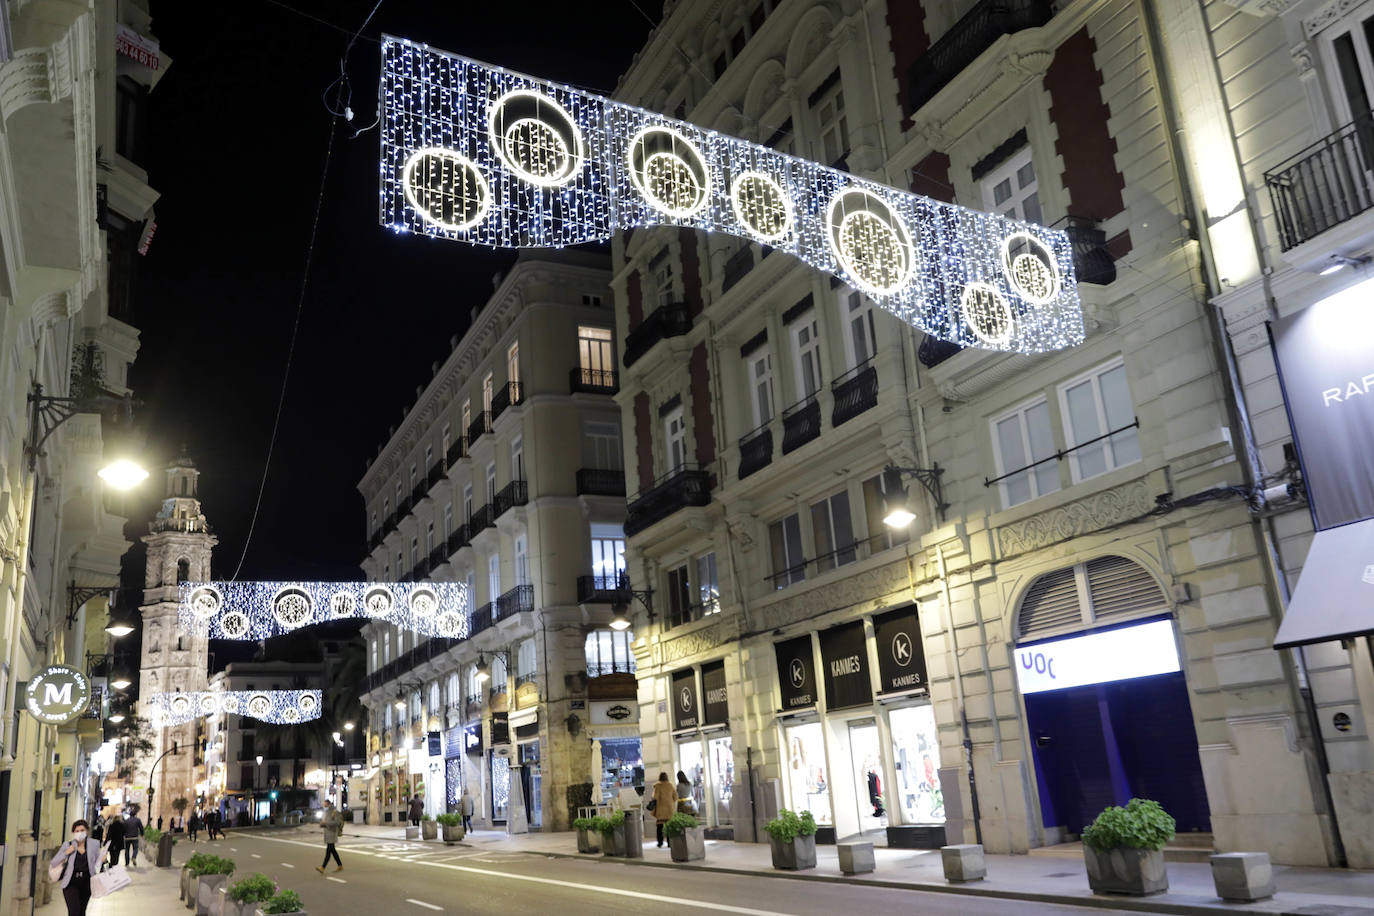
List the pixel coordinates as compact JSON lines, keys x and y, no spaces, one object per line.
{"x":444,"y":820}
{"x":452,"y":827}
{"x":256,"y":888}
{"x":588,"y":836}
{"x":792,"y":840}
{"x":1123,"y":849}
{"x":686,"y":837}
{"x":788,"y":825}
{"x":679,"y":824}
{"x":612,"y":830}
{"x":202,"y":864}
{"x":285,"y":902}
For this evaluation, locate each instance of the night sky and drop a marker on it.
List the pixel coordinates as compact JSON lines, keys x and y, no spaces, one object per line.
{"x":237,"y":141}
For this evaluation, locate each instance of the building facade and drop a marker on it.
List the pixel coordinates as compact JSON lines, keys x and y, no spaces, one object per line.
{"x":75,"y":210}
{"x":1094,"y":504}
{"x":506,"y":475}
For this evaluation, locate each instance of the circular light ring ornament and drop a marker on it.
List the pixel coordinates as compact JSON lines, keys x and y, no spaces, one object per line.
{"x":669,"y":171}
{"x":205,"y":602}
{"x":987,"y":314}
{"x":209,"y":704}
{"x":292,"y":607}
{"x":871,"y":242}
{"x":291,"y":714}
{"x":446,"y":189}
{"x":761,"y":206}
{"x":307,"y":704}
{"x":423,"y":602}
{"x":379,"y":601}
{"x":536,"y":138}
{"x":1032,"y":270}
{"x":450,"y":624}
{"x":234,"y":625}
{"x":180,"y":705}
{"x":230,"y":704}
{"x":342,"y":604}
{"x":258,"y":705}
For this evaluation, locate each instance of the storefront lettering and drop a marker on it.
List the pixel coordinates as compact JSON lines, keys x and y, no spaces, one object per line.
{"x":841,"y":667}
{"x":1038,"y":662}
{"x":910,"y":680}
{"x":715,"y":696}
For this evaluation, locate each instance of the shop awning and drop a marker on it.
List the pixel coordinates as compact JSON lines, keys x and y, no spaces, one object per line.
{"x":1335,"y":594}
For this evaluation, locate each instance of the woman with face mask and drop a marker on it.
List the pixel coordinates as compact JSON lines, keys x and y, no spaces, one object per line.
{"x":76,"y":860}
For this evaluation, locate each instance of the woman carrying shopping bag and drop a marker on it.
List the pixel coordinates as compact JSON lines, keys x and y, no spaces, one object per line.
{"x":73,"y":865}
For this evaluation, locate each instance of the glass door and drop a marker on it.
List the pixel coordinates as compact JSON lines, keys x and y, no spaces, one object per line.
{"x":531,"y":782}
{"x":500,"y":788}
{"x":692,"y":762}
{"x":806,"y":776}
{"x":722,"y":759}
{"x":916,"y":761}
{"x":868,"y":776}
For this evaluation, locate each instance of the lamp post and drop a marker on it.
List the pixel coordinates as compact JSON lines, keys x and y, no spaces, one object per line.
{"x":152,"y":782}
{"x":257,"y":778}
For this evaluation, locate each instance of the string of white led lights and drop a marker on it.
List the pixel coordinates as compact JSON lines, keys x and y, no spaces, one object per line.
{"x":479,"y":154}
{"x":261,"y":610}
{"x":285,"y":707}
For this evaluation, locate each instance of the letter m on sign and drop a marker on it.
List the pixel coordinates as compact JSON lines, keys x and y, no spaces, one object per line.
{"x":54,"y":695}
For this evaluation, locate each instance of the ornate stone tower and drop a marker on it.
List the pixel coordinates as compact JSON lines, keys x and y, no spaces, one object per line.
{"x":179,"y":545}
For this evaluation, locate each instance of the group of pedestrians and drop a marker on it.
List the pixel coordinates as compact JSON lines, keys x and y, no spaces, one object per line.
{"x":90,"y":850}
{"x":668,"y":799}
{"x":210,"y":822}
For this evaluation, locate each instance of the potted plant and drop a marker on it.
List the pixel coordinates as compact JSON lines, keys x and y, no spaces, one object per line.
{"x":588,"y":836}
{"x":452,"y":825}
{"x":210,"y":873}
{"x":686,"y":838}
{"x":429,"y":830}
{"x":612,"y":829}
{"x":188,"y":872}
{"x":1124,"y":849}
{"x":284,"y":903}
{"x":792,"y":840}
{"x":242,"y":898}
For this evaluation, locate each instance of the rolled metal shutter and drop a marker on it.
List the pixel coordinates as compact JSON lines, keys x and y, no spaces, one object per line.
{"x":1051,"y":605}
{"x":1122,"y":588}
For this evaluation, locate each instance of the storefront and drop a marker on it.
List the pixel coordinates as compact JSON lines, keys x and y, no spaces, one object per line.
{"x":702,"y":741}
{"x":617,"y":749}
{"x":525,"y":725}
{"x":499,"y":763}
{"x":454,"y":739}
{"x":862,"y":761}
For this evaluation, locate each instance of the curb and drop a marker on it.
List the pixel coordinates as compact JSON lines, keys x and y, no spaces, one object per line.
{"x":1198,"y":907}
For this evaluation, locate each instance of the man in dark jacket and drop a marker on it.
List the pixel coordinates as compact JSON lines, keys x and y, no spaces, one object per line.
{"x":417,"y":808}
{"x":133,"y":832}
{"x":115,"y":834}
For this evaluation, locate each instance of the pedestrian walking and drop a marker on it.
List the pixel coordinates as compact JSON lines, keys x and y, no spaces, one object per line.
{"x":210,"y":823}
{"x":664,"y":803}
{"x":159,"y":822}
{"x":98,"y":829}
{"x":193,"y":825}
{"x":332,"y":824}
{"x":114,"y":839}
{"x":133,"y":832}
{"x":417,"y":808}
{"x":686,"y":801}
{"x":465,"y":807}
{"x":78,"y":858}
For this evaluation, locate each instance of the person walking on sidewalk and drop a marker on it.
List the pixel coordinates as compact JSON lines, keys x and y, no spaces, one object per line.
{"x":417,"y":808}
{"x":78,"y":858}
{"x":133,"y":832}
{"x":465,"y":807}
{"x":193,"y":825}
{"x":665,"y":803}
{"x":115,"y":838}
{"x":686,"y":798}
{"x":332,"y":824}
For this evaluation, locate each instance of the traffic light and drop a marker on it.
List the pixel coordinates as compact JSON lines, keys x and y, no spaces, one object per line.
{"x":274,"y":795}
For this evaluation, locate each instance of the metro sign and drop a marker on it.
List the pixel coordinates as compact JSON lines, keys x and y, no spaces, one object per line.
{"x":57,"y":695}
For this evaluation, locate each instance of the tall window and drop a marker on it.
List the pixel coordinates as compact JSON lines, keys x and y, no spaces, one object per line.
{"x":833,"y":532}
{"x":498,"y":674}
{"x":491,"y":482}
{"x":860,"y":339}
{"x":1020,"y":438}
{"x":446,"y":443}
{"x":608,"y":651}
{"x":679,"y":597}
{"x":487,"y":388}
{"x":467,"y":415}
{"x":412,"y":478}
{"x":784,"y":536}
{"x":373,"y":527}
{"x":517,"y":458}
{"x":608,"y":554}
{"x":522,"y":560}
{"x":513,"y":363}
{"x":429,"y":457}
{"x":386,"y":717}
{"x":434,"y":704}
{"x":1094,"y":405}
{"x":399,"y":488}
{"x":414,"y":552}
{"x":662,"y":267}
{"x":455,"y":690}
{"x":471,"y":581}
{"x":386,"y":648}
{"x":881,"y":537}
{"x":594,"y":355}
{"x":467,"y":504}
{"x":474,"y":686}
{"x":761,"y":385}
{"x":525,"y":661}
{"x":374,"y":655}
{"x":806,"y":344}
{"x":494,"y":576}
{"x":708,"y":585}
{"x":831,"y":128}
{"x":1012,"y":190}
{"x":448,"y":521}
{"x":675,"y":439}
{"x":386,"y":508}
{"x":602,"y":441}
{"x":429,"y":539}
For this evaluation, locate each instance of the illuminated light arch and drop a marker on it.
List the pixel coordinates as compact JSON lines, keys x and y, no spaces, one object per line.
{"x":476,"y":153}
{"x":761,"y":206}
{"x":285,"y":707}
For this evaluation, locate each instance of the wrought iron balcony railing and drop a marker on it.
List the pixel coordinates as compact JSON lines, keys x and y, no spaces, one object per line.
{"x":801,"y":423}
{"x":854,"y":392}
{"x":669,"y":320}
{"x":1324,"y":185}
{"x":437,"y":556}
{"x":479,"y":426}
{"x":737,"y":268}
{"x":515,"y":493}
{"x":619,"y":666}
{"x":458,"y":539}
{"x":683,"y":487}
{"x":1092,"y":263}
{"x":612,"y":589}
{"x":934,"y":351}
{"x":600,"y":482}
{"x":482,"y":618}
{"x":457,"y":449}
{"x":755,"y":450}
{"x":518,"y":599}
{"x":436,"y":474}
{"x":988,"y":21}
{"x":508,"y":395}
{"x":482,"y":519}
{"x":593,"y":381}
{"x":420,"y":491}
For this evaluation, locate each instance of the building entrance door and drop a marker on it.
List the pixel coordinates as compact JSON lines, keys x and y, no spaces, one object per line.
{"x":531,"y":782}
{"x":500,"y":788}
{"x":867,"y":770}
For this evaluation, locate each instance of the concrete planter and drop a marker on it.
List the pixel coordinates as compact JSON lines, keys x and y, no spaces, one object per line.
{"x":453,"y":833}
{"x":1243,"y":876}
{"x":613,"y":841}
{"x":1135,"y":872}
{"x":429,"y":830}
{"x":690,"y":846}
{"x":227,"y":906}
{"x":412,"y":833}
{"x":798,"y":854}
{"x":259,"y":912}
{"x":588,"y":841}
{"x":207,"y":892}
{"x":186,"y":883}
{"x":963,"y":862}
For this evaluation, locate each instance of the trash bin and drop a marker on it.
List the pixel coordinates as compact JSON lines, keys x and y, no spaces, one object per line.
{"x":164,"y":851}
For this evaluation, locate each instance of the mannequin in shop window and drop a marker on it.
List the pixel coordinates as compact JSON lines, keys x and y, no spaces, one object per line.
{"x":875,"y":792}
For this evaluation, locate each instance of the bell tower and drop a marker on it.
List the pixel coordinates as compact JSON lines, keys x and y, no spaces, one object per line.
{"x":179,"y":546}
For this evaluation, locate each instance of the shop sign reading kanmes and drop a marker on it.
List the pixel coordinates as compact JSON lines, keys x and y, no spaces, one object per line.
{"x":58,"y":694}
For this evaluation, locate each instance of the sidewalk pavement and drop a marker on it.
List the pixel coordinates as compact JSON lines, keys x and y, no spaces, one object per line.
{"x":153,"y":891}
{"x":1301,"y":891}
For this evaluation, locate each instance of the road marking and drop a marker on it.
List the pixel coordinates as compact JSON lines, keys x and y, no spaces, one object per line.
{"x":334,"y":879}
{"x":233,"y":849}
{"x":255,"y":855}
{"x":428,"y":906}
{"x":287,"y":865}
{"x":575,"y":885}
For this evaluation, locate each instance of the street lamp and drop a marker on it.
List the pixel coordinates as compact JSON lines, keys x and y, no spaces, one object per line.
{"x":348,"y":726}
{"x":47,"y":412}
{"x":897,"y":502}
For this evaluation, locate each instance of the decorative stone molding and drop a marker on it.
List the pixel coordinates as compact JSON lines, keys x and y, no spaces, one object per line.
{"x":51,"y":308}
{"x":1076,"y":518}
{"x":697,"y":641}
{"x":1263,"y":7}
{"x":1319,"y":20}
{"x":860,"y":592}
{"x":1302,"y":58}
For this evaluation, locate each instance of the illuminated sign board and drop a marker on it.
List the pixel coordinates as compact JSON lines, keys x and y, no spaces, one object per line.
{"x":1142,"y":650}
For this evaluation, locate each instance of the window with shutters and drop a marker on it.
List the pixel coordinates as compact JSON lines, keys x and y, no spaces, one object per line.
{"x":1094,"y":405}
{"x":1101,"y":590}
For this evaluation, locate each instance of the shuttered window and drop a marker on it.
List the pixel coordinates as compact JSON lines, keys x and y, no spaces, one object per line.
{"x":1102,"y":589}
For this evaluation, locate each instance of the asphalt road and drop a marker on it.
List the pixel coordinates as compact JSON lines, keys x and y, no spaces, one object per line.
{"x":400,"y":879}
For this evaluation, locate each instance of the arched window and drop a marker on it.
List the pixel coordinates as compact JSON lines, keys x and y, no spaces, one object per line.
{"x":386,"y":718}
{"x":386,"y":648}
{"x":1116,"y":589}
{"x":474,"y":686}
{"x":374,"y":655}
{"x":455,"y":690}
{"x":434,"y":698}
{"x":415,"y":707}
{"x":183,"y":570}
{"x":498,"y":674}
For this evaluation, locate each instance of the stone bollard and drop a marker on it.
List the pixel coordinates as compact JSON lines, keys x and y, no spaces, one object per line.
{"x":1243,"y":876}
{"x":856,"y":858}
{"x":964,"y":862}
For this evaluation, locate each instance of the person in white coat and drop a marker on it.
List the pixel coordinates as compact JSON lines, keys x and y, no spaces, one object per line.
{"x":78,"y":858}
